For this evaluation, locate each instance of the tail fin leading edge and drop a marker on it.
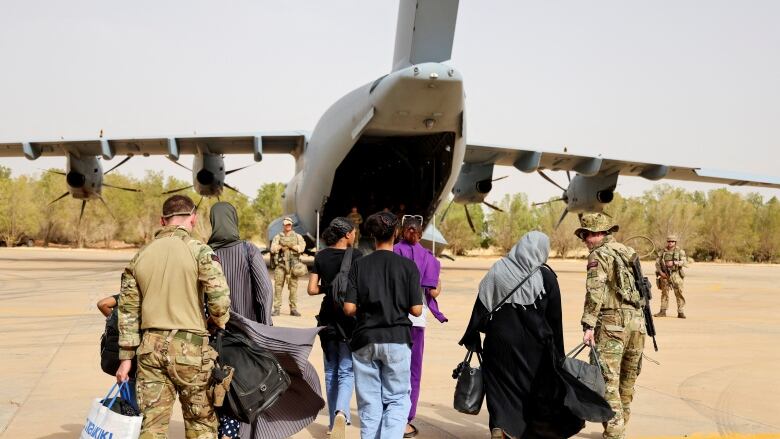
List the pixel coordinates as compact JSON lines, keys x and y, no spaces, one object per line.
{"x":425,"y":31}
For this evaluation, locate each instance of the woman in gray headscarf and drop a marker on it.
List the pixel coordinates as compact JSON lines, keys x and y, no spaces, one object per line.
{"x":250,"y":312}
{"x":527,"y":397}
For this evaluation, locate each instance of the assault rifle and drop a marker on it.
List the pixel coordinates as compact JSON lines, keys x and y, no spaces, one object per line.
{"x":645,"y":295}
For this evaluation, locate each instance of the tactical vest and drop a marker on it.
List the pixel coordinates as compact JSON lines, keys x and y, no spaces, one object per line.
{"x":287,"y":242}
{"x":623,"y":274}
{"x":674,"y":256}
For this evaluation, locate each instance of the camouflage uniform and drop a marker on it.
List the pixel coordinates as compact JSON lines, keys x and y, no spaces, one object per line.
{"x":613,"y":310}
{"x":357,"y":220}
{"x":674,"y":279}
{"x":287,"y":250}
{"x":163,"y":289}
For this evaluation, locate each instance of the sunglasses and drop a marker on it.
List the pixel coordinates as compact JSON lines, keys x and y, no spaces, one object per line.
{"x":412,"y":219}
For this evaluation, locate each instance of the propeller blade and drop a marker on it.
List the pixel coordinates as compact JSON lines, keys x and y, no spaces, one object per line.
{"x":565,"y":211}
{"x":107,"y":208}
{"x":172,"y":191}
{"x":129,"y":189}
{"x":548,"y":202}
{"x":568,"y":175}
{"x":179,"y":164}
{"x":81,"y":215}
{"x":500,"y":178}
{"x":234,"y":189}
{"x":238,"y":169}
{"x":492,"y":206}
{"x":52,"y":171}
{"x":551,"y":180}
{"x":59,"y":198}
{"x":444,"y":214}
{"x":119,"y":164}
{"x":468,"y":218}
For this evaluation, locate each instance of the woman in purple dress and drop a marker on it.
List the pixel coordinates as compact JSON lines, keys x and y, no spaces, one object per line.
{"x":410,"y":248}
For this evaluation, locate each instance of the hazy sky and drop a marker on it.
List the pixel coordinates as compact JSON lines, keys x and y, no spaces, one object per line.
{"x":693,"y":83}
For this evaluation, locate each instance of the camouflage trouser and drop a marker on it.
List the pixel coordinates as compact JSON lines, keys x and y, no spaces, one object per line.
{"x":676,"y":284}
{"x":157,"y":386}
{"x":620,"y":339}
{"x":280,"y":276}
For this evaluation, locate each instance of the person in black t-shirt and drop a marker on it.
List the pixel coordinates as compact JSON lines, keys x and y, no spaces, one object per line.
{"x":339,"y":378}
{"x":384,"y":288}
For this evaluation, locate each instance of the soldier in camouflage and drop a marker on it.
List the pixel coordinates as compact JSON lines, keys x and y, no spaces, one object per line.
{"x":357,"y":220}
{"x":286,"y":248}
{"x":669,"y":276}
{"x":612,"y":319}
{"x":162,"y":324}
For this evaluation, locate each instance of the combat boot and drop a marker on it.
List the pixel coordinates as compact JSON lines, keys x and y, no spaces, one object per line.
{"x":275,"y":312}
{"x":496,"y":433}
{"x":294,"y":312}
{"x":681,"y":315}
{"x":661,"y":313}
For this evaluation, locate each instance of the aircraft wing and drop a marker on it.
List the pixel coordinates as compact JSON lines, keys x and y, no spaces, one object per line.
{"x":283,"y":142}
{"x":530,"y":160}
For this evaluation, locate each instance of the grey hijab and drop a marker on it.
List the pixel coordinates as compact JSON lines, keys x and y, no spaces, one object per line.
{"x":224,"y":226}
{"x":530,"y":252}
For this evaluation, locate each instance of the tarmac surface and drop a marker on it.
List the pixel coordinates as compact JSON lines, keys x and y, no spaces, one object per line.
{"x":717,"y":375}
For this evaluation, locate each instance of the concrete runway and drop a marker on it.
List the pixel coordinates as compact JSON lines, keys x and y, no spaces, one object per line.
{"x":716,"y":378}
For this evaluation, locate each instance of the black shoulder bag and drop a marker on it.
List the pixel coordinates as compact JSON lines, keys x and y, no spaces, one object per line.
{"x":338,"y":288}
{"x":470,"y":387}
{"x":258,"y":380}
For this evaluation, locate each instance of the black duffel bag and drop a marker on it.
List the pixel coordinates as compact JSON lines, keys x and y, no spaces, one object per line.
{"x":258,"y":381}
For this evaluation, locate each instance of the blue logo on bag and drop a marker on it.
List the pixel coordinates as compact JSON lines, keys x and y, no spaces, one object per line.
{"x":95,"y":431}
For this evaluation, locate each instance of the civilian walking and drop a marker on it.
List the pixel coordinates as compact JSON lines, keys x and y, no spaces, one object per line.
{"x":428,"y":267}
{"x":340,"y":236}
{"x":384,"y":288}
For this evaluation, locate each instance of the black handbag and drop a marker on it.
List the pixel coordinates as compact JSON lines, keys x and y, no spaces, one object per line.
{"x":470,"y":388}
{"x":588,"y":374}
{"x":258,"y":379}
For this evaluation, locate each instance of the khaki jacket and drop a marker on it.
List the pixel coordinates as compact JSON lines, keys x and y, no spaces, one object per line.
{"x":164,"y":286}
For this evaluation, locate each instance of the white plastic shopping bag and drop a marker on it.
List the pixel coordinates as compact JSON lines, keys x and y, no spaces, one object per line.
{"x":102,"y":423}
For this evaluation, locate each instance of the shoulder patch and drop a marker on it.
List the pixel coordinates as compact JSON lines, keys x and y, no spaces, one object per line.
{"x":215,"y":258}
{"x":592,"y":264}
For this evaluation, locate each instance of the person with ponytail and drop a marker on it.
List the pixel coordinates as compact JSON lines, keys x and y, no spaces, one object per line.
{"x":339,"y":236}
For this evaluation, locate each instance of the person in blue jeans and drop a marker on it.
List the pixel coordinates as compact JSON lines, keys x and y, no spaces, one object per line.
{"x":384,"y":288}
{"x":339,"y":378}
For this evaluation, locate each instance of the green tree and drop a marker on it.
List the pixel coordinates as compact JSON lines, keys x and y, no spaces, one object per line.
{"x":766,"y":229}
{"x":516,"y":220}
{"x":267,"y":206}
{"x":19,"y":215}
{"x":727,"y":227}
{"x":562,"y":239}
{"x":5,"y":172}
{"x":673,"y":211}
{"x":455,"y":228}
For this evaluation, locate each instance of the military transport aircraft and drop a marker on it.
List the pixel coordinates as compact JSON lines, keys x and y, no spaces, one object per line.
{"x":399,"y":138}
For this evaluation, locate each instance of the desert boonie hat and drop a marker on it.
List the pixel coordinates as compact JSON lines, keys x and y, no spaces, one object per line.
{"x":595,"y":222}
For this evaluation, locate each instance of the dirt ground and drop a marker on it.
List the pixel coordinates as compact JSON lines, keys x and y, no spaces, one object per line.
{"x":716,"y":378}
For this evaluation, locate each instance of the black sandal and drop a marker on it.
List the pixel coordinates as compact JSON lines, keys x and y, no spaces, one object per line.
{"x":412,"y":433}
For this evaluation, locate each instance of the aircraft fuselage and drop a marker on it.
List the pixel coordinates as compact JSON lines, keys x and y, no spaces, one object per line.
{"x":397,"y":140}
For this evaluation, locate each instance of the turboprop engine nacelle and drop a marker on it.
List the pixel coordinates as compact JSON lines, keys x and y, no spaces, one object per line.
{"x":590,"y":194}
{"x":208,"y":174}
{"x":474,"y":183}
{"x":84,"y":176}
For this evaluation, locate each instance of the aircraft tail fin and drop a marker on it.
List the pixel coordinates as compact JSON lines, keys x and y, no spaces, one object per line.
{"x":425,"y":31}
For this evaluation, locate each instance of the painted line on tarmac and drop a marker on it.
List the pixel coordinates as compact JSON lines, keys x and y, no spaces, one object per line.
{"x":719,"y":436}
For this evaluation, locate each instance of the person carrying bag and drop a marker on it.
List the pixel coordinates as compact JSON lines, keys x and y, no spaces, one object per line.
{"x":470,"y":389}
{"x":114,"y":417}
